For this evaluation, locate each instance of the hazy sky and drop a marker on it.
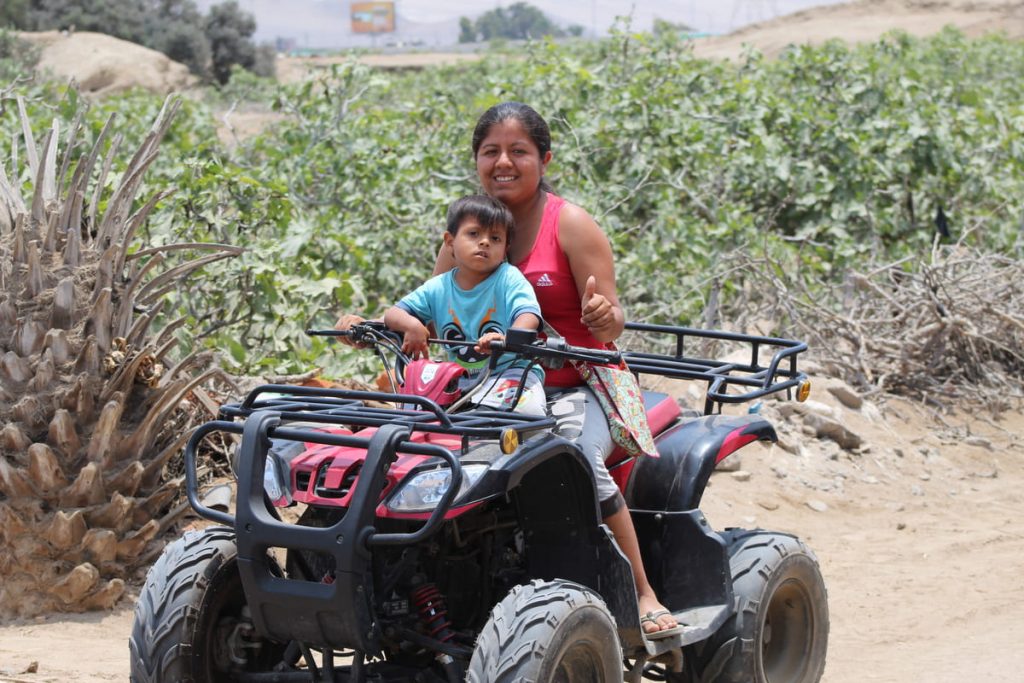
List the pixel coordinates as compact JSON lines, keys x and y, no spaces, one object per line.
{"x":325,"y":23}
{"x":707,"y":15}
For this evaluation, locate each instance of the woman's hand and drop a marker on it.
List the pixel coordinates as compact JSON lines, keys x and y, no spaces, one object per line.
{"x":598,"y":312}
{"x":483,"y":344}
{"x":345,"y":323}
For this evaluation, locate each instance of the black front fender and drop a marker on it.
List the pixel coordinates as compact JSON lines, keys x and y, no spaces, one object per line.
{"x":688,"y":453}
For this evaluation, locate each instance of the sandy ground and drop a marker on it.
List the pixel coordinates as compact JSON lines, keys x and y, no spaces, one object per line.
{"x":919,"y":535}
{"x":292,"y":69}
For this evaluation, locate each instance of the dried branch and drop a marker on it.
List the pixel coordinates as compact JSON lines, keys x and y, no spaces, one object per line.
{"x":946,"y":329}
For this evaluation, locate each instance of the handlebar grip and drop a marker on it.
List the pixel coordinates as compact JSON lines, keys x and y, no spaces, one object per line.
{"x":328,"y":333}
{"x":596,"y":355}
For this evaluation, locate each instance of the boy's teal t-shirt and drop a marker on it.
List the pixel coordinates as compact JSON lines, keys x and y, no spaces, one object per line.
{"x":466,"y":315}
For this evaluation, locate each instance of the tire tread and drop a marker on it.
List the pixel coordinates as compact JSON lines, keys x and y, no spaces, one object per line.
{"x":168,"y":607}
{"x":517,"y":635}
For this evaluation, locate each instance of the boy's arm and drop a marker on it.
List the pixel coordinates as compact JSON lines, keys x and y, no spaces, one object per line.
{"x":414,"y":332}
{"x":525,"y":321}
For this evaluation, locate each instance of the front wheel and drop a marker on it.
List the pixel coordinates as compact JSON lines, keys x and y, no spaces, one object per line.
{"x":779,"y":633}
{"x":548,"y":632}
{"x":191,"y":619}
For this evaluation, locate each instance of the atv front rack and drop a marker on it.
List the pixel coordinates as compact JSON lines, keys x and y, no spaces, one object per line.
{"x":748,"y":380}
{"x":304,"y":414}
{"x":349,"y":408}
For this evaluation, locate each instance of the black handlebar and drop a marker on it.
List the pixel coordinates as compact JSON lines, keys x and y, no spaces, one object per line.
{"x":367,"y":332}
{"x":555,"y":348}
{"x":524,"y":343}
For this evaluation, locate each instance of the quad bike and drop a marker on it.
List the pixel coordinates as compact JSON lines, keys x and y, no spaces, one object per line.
{"x":412,"y":536}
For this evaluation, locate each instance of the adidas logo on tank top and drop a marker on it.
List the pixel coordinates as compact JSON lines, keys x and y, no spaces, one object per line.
{"x":544,"y":281}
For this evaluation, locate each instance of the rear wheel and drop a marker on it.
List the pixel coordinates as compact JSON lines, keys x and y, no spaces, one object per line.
{"x":548,"y":632}
{"x":779,"y":633}
{"x":191,"y":619}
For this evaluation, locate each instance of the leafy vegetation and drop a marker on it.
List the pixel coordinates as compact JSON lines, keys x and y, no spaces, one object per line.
{"x":17,"y":57}
{"x":824,"y":160}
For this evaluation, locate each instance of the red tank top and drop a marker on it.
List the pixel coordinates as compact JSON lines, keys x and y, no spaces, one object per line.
{"x":546,"y":267}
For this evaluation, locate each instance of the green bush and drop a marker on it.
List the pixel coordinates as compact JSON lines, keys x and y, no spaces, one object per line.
{"x":827,"y":159}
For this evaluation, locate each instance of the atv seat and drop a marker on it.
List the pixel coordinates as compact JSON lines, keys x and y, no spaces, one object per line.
{"x":662,"y":412}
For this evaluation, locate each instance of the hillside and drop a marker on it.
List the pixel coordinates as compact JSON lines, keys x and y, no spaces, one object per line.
{"x":104,"y":65}
{"x":867,"y":20}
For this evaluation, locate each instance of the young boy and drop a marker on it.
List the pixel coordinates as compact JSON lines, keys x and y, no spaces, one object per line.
{"x":481,"y":298}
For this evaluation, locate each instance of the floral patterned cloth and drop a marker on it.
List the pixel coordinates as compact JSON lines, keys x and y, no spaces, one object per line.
{"x":619,"y":394}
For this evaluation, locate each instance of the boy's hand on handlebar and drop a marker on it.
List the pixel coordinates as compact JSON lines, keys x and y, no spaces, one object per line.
{"x":483,"y":344}
{"x":414,"y":342}
{"x":414,"y":333}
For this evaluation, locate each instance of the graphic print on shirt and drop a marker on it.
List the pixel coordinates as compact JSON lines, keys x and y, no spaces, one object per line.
{"x":467,"y":356}
{"x":544,"y":281}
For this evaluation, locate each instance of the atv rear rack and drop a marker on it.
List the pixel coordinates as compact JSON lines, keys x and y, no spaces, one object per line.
{"x":751,"y":378}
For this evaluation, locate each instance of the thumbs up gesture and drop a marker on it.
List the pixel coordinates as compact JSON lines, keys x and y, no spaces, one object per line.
{"x":597,"y":310}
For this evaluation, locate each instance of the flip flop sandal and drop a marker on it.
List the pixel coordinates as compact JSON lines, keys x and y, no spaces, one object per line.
{"x":652,"y":618}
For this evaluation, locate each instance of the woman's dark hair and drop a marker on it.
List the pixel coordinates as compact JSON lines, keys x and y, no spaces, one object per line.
{"x":532,"y":122}
{"x":488,"y":211}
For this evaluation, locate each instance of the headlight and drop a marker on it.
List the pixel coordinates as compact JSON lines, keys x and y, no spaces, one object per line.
{"x":423,"y":491}
{"x":277,"y":482}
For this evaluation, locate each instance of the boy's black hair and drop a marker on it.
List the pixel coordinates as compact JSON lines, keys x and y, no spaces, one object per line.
{"x":487,"y":210}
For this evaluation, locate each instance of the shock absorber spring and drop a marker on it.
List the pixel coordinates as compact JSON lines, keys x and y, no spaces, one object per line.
{"x":430,"y":603}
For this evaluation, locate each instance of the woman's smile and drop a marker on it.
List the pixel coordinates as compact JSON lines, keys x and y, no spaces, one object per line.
{"x":509,"y":164}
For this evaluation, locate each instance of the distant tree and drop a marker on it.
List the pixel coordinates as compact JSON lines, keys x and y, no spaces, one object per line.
{"x":119,"y":18}
{"x":576,"y":30}
{"x":176,"y":28}
{"x":265,"y":64}
{"x":14,"y":14}
{"x":467,"y":34}
{"x":229,"y":30}
{"x":519,"y":22}
{"x":186,"y":43}
{"x":663,"y":27}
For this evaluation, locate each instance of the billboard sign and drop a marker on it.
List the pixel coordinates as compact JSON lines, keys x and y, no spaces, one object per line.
{"x":373,"y":17}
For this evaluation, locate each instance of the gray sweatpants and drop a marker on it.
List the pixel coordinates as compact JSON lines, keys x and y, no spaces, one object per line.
{"x":579,"y":418}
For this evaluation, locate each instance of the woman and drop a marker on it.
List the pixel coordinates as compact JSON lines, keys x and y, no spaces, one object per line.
{"x":568,"y":260}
